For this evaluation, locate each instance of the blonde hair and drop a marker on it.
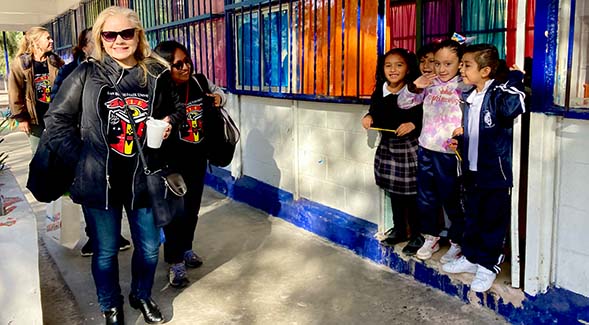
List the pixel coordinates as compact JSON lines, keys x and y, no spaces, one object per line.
{"x":32,"y":36}
{"x":143,"y":51}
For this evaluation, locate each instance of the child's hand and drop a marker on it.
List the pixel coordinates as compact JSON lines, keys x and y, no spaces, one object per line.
{"x":458,"y":131}
{"x":367,"y":121}
{"x":453,"y":144}
{"x":405,"y":128}
{"x":516,"y":68}
{"x":424,"y":80}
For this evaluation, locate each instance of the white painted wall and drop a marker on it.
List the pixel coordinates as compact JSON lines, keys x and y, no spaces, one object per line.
{"x":335,"y":154}
{"x":335,"y":168}
{"x":572,"y":227}
{"x":558,"y":206}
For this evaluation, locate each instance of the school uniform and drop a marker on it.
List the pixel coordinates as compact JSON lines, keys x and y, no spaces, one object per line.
{"x":487,"y":151}
{"x":395,"y":162}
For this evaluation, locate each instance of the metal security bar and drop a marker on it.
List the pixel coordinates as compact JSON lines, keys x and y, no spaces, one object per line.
{"x":315,"y":49}
{"x":63,"y":32}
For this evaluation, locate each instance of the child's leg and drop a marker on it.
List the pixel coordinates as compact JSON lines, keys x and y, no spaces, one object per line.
{"x":428,"y":203}
{"x":448,"y":189}
{"x":494,"y":217}
{"x":399,"y":206}
{"x":473,"y":224}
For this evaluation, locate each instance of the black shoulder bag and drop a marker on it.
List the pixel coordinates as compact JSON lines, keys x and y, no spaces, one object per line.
{"x":49,"y":176}
{"x":166,"y":189}
{"x":221,"y":133}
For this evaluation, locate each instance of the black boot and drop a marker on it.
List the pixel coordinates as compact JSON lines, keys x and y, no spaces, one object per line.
{"x":149,"y":309}
{"x":114,"y":316}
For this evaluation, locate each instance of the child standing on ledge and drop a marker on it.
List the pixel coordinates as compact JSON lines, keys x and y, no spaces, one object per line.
{"x":489,"y":111}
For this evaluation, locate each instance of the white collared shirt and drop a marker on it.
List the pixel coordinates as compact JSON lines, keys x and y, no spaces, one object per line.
{"x":475,"y":99}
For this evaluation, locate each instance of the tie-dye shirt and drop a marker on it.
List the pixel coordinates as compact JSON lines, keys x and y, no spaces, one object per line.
{"x":441,"y":111}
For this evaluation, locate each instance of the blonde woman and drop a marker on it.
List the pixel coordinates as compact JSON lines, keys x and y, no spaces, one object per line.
{"x":29,"y":84}
{"x":109,"y":174}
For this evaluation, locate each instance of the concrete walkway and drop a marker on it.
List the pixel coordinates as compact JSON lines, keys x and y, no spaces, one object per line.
{"x":262,"y":270}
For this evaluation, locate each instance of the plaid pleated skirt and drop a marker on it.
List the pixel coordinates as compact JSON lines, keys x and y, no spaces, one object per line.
{"x":395,"y":165}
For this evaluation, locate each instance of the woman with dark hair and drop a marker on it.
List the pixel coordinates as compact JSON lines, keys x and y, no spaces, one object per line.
{"x":80,"y":53}
{"x":395,"y":162}
{"x":90,"y":128}
{"x":195,"y":91}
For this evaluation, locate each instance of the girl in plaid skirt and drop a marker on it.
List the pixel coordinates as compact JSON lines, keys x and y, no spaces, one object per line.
{"x":395,"y":163}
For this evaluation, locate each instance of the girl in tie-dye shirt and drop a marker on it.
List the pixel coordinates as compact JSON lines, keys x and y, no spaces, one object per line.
{"x":437,"y":185}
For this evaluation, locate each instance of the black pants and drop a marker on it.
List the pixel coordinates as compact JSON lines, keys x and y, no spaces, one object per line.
{"x":180,"y":232}
{"x":405,"y":212}
{"x":488,"y":213}
{"x":437,"y":187}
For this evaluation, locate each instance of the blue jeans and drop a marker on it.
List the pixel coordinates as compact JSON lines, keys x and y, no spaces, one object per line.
{"x":105,"y":228}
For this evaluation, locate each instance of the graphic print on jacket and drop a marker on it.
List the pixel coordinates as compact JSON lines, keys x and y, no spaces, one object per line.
{"x":120,"y":131}
{"x":191,"y":130}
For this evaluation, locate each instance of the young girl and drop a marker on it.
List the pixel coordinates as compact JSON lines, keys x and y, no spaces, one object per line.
{"x":425,"y":56}
{"x":436,"y":175}
{"x":395,"y":163}
{"x":489,"y":111}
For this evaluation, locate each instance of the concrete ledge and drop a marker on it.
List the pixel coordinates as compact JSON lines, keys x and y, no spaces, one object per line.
{"x":557,"y":305}
{"x":20,"y":293}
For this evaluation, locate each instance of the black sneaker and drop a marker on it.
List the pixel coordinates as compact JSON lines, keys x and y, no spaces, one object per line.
{"x":393,"y":237}
{"x":87,"y":249}
{"x":177,"y":275}
{"x":124,"y":244}
{"x":414,"y":245}
{"x":192,"y":260}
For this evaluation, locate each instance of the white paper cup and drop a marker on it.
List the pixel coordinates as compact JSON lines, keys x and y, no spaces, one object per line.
{"x":155,"y":132}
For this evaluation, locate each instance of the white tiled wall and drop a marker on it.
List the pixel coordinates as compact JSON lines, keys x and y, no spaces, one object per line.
{"x":335,"y":154}
{"x":572,"y":251}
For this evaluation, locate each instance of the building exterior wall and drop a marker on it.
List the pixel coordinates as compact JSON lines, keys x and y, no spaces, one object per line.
{"x":335,"y":154}
{"x":572,"y":208}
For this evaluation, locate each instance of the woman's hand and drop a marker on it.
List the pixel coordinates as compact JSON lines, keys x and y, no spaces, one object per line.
{"x":24,"y":127}
{"x":367,"y":121}
{"x":216,"y":99}
{"x":168,"y":129}
{"x":405,"y":128}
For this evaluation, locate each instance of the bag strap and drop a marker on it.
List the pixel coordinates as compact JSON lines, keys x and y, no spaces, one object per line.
{"x":203,"y":83}
{"x":129,"y":115}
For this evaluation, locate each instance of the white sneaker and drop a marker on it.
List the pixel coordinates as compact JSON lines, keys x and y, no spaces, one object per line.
{"x":460,"y":265}
{"x":429,"y":247}
{"x":453,"y":253}
{"x":483,"y":280}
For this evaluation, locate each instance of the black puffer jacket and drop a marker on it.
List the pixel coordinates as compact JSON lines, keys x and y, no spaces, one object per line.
{"x":77,"y":128}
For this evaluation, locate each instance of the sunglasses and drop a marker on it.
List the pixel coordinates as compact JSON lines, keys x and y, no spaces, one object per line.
{"x":126,"y":34}
{"x":178,"y":65}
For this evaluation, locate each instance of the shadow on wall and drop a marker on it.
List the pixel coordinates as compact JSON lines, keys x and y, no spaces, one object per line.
{"x":372,"y":138}
{"x":259,"y":163}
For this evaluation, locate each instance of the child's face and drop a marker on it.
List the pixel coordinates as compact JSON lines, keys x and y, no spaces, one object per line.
{"x":395,"y":69}
{"x":471,"y":74}
{"x":446,"y":64}
{"x":426,"y":63}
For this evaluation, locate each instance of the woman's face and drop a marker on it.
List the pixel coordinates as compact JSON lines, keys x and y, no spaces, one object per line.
{"x":180,"y":67}
{"x":44,"y":43}
{"x":395,"y":69}
{"x":124,"y":44}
